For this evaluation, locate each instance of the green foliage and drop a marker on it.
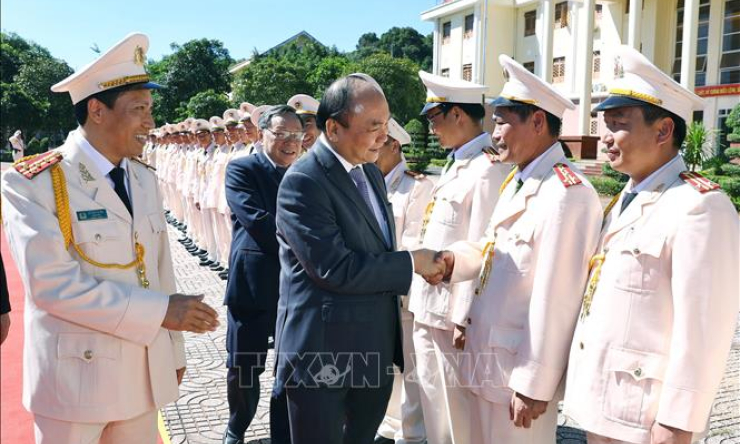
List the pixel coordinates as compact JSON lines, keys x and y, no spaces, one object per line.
{"x":730,"y":169}
{"x":196,"y":66}
{"x":606,"y":186}
{"x":608,"y":171}
{"x":397,"y":42}
{"x":417,"y":132}
{"x":730,"y":185}
{"x":733,"y":122}
{"x":270,"y":81}
{"x":438,"y":162}
{"x":732,"y":153}
{"x":698,"y":145}
{"x":204,"y":105}
{"x":27,"y":103}
{"x":325,"y":73}
{"x":713,"y":164}
{"x":400,"y":81}
{"x":419,"y":166}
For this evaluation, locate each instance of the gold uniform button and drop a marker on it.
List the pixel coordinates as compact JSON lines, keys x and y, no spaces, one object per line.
{"x":638,"y":372}
{"x":88,"y":354}
{"x":636,"y":251}
{"x":580,"y":344}
{"x":98,"y":237}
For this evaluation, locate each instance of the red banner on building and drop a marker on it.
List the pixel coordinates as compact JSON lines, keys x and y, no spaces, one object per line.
{"x":718,"y":90}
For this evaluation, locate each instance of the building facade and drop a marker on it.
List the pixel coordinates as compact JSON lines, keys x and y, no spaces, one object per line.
{"x":571,"y":44}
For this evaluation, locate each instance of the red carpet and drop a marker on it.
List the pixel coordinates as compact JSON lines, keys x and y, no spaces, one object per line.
{"x":16,"y":424}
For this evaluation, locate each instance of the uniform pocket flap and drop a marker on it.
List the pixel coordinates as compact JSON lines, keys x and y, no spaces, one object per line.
{"x":157,"y":222}
{"x":96,"y":231}
{"x":651,"y":246}
{"x":88,"y":346}
{"x":506,"y":338}
{"x":640,"y":365}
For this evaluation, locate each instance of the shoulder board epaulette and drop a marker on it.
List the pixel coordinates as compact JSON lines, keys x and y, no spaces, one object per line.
{"x":491,"y":154}
{"x":31,"y":166}
{"x":141,"y":162}
{"x":698,"y":182}
{"x":415,"y":174}
{"x":566,"y":175}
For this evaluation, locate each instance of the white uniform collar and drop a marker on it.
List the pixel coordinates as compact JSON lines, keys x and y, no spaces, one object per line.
{"x":529,"y":169}
{"x":646,"y":184}
{"x":100,"y":162}
{"x":471,"y":147}
{"x":396,"y":172}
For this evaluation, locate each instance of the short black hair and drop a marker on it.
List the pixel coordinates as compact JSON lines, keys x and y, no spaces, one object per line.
{"x":523,"y":111}
{"x":475,"y":111}
{"x":275,"y":111}
{"x":338,"y":99}
{"x":652,"y":113}
{"x":107,"y":97}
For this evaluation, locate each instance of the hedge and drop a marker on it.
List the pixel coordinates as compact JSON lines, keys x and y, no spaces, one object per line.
{"x":606,"y":186}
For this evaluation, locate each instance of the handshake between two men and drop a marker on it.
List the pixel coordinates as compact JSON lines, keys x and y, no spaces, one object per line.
{"x":433,"y":266}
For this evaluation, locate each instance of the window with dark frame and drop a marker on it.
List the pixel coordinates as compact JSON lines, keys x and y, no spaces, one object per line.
{"x":467,"y":72}
{"x":729,"y":66}
{"x":530,"y":23}
{"x":561,"y":15}
{"x":701,"y":44}
{"x":529,"y":66}
{"x":469,"y":21}
{"x":596,"y":72}
{"x":446,"y":32}
{"x":445,"y":72}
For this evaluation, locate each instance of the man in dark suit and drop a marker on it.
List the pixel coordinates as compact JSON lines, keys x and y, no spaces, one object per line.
{"x":4,"y":304}
{"x":338,"y":328}
{"x":252,"y":288}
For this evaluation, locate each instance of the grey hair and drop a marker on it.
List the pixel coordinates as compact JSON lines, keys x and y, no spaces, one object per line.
{"x":339,"y":97}
{"x":277,"y":111}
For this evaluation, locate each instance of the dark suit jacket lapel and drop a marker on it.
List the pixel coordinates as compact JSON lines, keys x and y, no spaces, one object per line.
{"x":269,"y":168}
{"x":339,"y":176}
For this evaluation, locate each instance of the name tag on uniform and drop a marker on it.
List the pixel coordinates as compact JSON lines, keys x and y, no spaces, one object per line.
{"x":92,"y":215}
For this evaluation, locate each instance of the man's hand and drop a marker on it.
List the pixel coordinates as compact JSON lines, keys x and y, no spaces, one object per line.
{"x":429,"y":266}
{"x":189,"y":313}
{"x":524,"y":410}
{"x":458,"y":337}
{"x":449,"y":259}
{"x":4,"y":326}
{"x":661,"y":434}
{"x":180,"y":374}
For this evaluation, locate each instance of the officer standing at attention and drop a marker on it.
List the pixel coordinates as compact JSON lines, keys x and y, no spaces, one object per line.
{"x":660,"y":308}
{"x":85,"y":224}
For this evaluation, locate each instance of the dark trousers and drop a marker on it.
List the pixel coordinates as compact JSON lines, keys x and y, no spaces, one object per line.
{"x":246,"y":342}
{"x":336,"y":415}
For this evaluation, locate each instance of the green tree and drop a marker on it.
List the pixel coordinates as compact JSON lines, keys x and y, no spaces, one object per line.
{"x":698,"y":145}
{"x":27,"y":103}
{"x":269,"y":80}
{"x":196,"y":66}
{"x":326,"y":72}
{"x":398,"y":42}
{"x":204,"y":105}
{"x":733,"y":123}
{"x":400,"y":81}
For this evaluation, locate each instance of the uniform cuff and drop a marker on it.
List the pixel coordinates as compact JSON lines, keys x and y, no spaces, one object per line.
{"x":692,"y":416}
{"x":143,"y":317}
{"x":535,"y":381}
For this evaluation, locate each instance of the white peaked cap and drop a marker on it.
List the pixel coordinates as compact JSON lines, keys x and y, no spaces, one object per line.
{"x":638,"y":82}
{"x":304,"y":104}
{"x":445,"y":90}
{"x":523,"y":87}
{"x":121,"y":65}
{"x":396,"y":131}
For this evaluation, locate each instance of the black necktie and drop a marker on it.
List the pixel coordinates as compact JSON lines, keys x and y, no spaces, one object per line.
{"x":281,"y":171}
{"x":118,"y":176}
{"x":519,"y":183}
{"x":626,"y":200}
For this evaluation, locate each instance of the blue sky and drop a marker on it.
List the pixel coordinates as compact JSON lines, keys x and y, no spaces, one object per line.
{"x":69,"y":27}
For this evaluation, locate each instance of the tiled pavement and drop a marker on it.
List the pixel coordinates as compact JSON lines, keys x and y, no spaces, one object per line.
{"x":201,"y":413}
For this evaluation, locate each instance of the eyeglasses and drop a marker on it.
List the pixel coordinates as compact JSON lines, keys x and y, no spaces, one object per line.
{"x":432,"y":117}
{"x":287,"y":136}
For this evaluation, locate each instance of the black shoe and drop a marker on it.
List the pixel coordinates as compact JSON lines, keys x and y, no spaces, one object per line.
{"x":231,"y":438}
{"x":216,"y":267}
{"x":203,"y":256}
{"x":382,"y":440}
{"x":206,"y":262}
{"x":188,"y":243}
{"x":224,"y":275}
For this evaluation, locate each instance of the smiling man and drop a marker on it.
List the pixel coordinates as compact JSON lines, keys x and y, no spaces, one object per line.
{"x":661,"y":306}
{"x":86,"y":227}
